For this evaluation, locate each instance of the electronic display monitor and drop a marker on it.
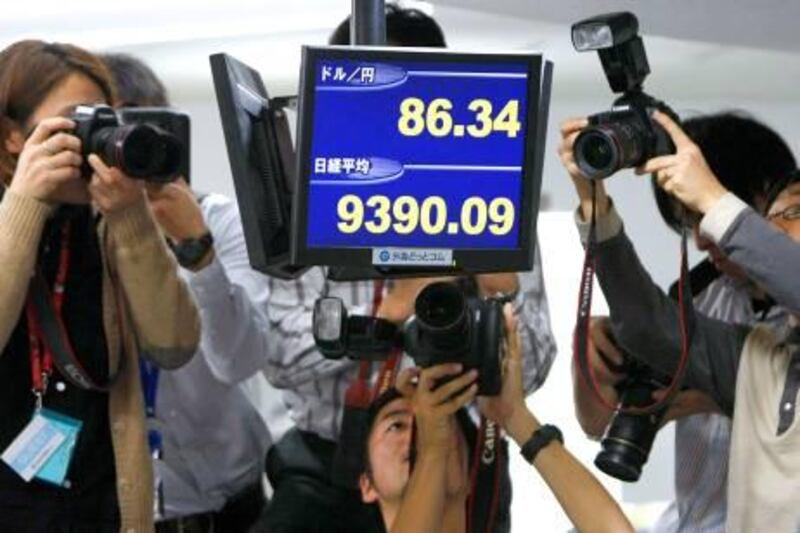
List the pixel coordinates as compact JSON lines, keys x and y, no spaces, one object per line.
{"x":261,"y":155}
{"x":419,"y":160}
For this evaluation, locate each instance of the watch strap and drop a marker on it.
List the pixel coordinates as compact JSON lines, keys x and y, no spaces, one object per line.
{"x":540,"y":438}
{"x":189,"y":252}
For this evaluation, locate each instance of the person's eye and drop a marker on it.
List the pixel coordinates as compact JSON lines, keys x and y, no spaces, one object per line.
{"x":397,"y":425}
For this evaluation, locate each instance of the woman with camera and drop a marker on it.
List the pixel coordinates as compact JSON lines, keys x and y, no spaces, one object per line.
{"x":87,"y":285}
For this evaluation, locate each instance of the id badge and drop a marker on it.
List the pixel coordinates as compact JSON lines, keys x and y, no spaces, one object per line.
{"x":34,"y":446}
{"x":56,"y":467}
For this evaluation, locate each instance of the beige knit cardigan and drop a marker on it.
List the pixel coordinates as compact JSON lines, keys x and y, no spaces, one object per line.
{"x":159,"y":319}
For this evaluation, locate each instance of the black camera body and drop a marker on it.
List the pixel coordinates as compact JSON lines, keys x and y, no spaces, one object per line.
{"x":626,"y":136}
{"x":447,"y":327}
{"x":629,"y":437}
{"x":139,"y":149}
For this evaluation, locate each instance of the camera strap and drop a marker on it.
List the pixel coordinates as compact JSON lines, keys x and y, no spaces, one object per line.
{"x":348,"y":459}
{"x":48,"y":338}
{"x":582,"y":337}
{"x":489,"y":457}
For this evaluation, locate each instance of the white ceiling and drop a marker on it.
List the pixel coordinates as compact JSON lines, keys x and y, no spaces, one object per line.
{"x":697,"y":48}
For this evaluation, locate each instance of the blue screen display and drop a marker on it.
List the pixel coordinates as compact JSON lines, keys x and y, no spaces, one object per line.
{"x":417,"y":154}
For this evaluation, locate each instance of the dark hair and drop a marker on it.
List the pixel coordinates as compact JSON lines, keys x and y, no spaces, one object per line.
{"x":404,"y":27}
{"x":778,"y":187}
{"x":29,"y":71}
{"x":747,"y":157}
{"x":137,"y":84}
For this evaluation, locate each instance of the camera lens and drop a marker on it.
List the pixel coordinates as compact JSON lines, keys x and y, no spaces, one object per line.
{"x":139,"y":150}
{"x":602,"y":150}
{"x":441,"y":311}
{"x":627,"y":443}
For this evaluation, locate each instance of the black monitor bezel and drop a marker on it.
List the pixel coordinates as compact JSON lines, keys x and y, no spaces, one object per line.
{"x":228,"y":72}
{"x":465,"y":260}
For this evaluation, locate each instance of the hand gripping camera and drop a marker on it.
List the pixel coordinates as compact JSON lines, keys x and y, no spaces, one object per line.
{"x":629,"y":438}
{"x":135,"y":145}
{"x":626,"y":136}
{"x":447,"y":328}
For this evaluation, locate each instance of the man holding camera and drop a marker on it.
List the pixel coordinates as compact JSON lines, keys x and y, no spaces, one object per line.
{"x":420,"y":443}
{"x":757,"y":366}
{"x":748,"y":157}
{"x":207,"y":439}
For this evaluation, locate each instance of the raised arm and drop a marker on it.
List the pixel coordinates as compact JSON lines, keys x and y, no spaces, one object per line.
{"x":427,"y":504}
{"x":163,"y":311}
{"x":25,"y":206}
{"x":530,"y":305}
{"x":585,"y":501}
{"x":231,"y":296}
{"x":768,"y":256}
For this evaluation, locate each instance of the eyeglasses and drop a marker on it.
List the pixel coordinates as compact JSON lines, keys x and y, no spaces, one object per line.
{"x":790,"y":213}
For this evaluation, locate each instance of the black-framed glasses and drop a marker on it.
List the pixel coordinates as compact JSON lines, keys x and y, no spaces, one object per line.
{"x":791,"y":212}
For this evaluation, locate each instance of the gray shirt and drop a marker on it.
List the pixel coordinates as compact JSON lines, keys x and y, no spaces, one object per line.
{"x":214,"y":439}
{"x":648,"y":324}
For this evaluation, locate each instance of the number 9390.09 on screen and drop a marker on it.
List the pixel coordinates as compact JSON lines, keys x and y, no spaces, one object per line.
{"x":405,"y":214}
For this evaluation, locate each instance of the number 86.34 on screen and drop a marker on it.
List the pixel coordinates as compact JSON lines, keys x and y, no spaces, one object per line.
{"x":403,"y":215}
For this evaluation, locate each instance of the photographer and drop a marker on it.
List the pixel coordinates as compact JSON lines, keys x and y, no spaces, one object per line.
{"x":753,"y":365}
{"x":748,"y":158}
{"x":210,"y":461}
{"x":430,"y":492}
{"x":86,"y":234}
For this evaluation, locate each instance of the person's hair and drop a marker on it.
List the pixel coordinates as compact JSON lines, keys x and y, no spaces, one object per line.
{"x":405,"y":27}
{"x":137,"y":84}
{"x":747,"y":157}
{"x":29,"y":71}
{"x":778,"y":187}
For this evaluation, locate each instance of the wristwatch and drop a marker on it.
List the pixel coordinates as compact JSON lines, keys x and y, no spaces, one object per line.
{"x":189,"y":252}
{"x":540,"y":438}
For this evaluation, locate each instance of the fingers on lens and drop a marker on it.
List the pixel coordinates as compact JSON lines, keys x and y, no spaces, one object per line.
{"x":452,"y":387}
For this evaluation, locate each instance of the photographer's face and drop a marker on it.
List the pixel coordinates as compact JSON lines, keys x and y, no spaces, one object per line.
{"x":389,"y":449}
{"x":784,"y":213}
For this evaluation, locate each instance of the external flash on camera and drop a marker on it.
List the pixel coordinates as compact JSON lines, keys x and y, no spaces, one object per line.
{"x":330,"y":322}
{"x":604,"y":31}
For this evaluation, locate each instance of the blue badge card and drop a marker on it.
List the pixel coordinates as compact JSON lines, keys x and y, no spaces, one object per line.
{"x":56,"y":467}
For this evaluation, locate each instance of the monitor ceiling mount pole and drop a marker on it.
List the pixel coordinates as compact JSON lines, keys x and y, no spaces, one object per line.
{"x":368,"y":23}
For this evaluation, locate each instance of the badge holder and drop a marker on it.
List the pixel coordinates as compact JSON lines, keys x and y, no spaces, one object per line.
{"x":44,"y":449}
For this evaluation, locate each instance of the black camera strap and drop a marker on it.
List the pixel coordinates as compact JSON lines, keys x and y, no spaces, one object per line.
{"x":582,"y":338}
{"x":489,"y":457}
{"x":46,"y":324}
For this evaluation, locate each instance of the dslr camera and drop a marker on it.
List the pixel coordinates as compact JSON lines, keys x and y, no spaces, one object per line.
{"x":447,"y":327}
{"x":135,"y":140}
{"x":626,"y":136}
{"x":626,"y":445}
